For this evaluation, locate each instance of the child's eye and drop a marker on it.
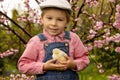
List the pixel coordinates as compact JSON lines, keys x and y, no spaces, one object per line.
{"x":60,"y":19}
{"x":49,"y":18}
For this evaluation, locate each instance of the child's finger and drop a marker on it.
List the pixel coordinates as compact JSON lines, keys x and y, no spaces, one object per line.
{"x":52,"y":61}
{"x":67,"y":57}
{"x":61,"y":69}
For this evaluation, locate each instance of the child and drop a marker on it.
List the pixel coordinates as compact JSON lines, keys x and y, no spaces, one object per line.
{"x":37,"y":57}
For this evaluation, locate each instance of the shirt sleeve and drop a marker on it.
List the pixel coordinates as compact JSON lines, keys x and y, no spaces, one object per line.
{"x":28,"y":62}
{"x":80,"y":53}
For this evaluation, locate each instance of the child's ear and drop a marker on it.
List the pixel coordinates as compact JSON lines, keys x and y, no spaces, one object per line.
{"x":41,"y":20}
{"x":68,"y":24}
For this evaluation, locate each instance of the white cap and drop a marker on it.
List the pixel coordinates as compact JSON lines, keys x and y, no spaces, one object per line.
{"x":63,"y":4}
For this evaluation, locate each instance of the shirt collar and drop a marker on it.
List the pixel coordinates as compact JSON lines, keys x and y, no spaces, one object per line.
{"x":61,"y":35}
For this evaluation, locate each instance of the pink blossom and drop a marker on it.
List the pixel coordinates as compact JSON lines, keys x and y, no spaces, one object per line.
{"x":95,"y":3}
{"x":91,"y":36}
{"x":117,"y":16}
{"x":116,"y":25}
{"x":89,"y":47}
{"x":116,"y":37}
{"x":74,"y":30}
{"x":8,"y":53}
{"x":92,"y":31}
{"x":21,"y":77}
{"x":112,"y":0}
{"x":77,"y":19}
{"x":92,"y":3}
{"x":117,"y":49}
{"x":2,"y":20}
{"x":111,"y":38}
{"x":30,"y":19}
{"x":99,"y":66}
{"x":114,"y":77}
{"x":107,"y":40}
{"x":12,"y":75}
{"x":1,"y":55}
{"x":39,"y":22}
{"x":90,"y":18}
{"x":94,"y":15}
{"x":23,"y":18}
{"x":88,"y":1}
{"x":85,"y":12}
{"x":104,"y":36}
{"x":106,"y":48}
{"x":118,"y":8}
{"x":106,"y":30}
{"x":101,"y":71}
{"x":98,"y":25}
{"x":98,"y":43}
{"x":77,"y":8}
{"x":107,"y":34}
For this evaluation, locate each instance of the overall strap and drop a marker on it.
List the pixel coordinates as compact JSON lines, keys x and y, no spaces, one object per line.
{"x":42,"y":37}
{"x":67,"y":35}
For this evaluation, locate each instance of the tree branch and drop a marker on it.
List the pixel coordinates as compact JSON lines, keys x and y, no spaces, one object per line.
{"x":13,"y":31}
{"x":80,"y":11}
{"x":15,"y":24}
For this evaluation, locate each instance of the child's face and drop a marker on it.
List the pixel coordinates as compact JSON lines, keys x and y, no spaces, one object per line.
{"x":54,"y":21}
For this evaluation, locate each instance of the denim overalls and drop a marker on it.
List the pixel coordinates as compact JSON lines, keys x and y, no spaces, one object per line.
{"x":56,"y":75}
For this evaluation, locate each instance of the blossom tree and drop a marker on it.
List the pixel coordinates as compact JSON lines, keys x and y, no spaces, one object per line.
{"x":99,"y":27}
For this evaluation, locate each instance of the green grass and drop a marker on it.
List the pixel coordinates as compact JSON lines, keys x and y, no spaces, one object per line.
{"x":91,"y":73}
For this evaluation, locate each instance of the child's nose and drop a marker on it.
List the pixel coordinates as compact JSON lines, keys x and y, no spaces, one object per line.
{"x":53,"y":22}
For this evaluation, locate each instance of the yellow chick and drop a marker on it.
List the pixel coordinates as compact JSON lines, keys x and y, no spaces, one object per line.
{"x":59,"y":54}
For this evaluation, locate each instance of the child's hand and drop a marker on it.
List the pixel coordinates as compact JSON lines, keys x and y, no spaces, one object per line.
{"x":50,"y":65}
{"x":69,"y":63}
